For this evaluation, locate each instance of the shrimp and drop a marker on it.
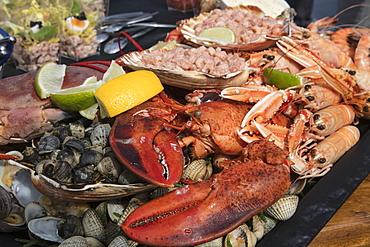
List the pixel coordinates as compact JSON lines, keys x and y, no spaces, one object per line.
{"x":322,"y":47}
{"x":362,"y":53}
{"x":342,"y":38}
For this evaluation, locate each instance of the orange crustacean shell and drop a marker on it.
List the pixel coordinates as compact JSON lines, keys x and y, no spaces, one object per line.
{"x":264,"y":41}
{"x":190,"y":79}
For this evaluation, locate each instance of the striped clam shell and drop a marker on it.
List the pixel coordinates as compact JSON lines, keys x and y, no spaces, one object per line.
{"x":284,"y":208}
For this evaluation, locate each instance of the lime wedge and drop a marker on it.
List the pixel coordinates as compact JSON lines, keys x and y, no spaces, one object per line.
{"x":90,"y":112}
{"x":113,"y":71}
{"x":281,"y":79}
{"x":163,"y":45}
{"x":223,"y":35}
{"x":49,"y":79}
{"x":75,"y":98}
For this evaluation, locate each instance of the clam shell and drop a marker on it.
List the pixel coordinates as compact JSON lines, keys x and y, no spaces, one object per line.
{"x":82,"y":192}
{"x":76,"y":241}
{"x":189,"y":80}
{"x":240,"y":237}
{"x":218,"y":242}
{"x":93,"y":226}
{"x":70,"y":226}
{"x":261,"y":227}
{"x":93,"y":242}
{"x":119,"y":241}
{"x":99,"y":135}
{"x":263,"y":42}
{"x":15,"y":220}
{"x":48,"y":144}
{"x":284,"y":208}
{"x":5,"y":203}
{"x":197,"y":169}
{"x":45,"y":228}
{"x":33,"y":210}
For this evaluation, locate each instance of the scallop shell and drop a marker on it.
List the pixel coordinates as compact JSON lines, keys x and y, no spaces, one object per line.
{"x":263,"y":42}
{"x":284,"y":208}
{"x":189,"y":80}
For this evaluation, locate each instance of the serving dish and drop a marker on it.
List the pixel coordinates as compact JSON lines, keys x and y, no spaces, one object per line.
{"x":319,"y":204}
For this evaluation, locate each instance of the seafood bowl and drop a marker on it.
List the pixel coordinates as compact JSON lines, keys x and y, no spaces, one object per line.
{"x":187,"y":79}
{"x":258,"y":31}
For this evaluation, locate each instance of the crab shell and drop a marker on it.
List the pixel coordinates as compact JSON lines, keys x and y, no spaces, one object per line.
{"x":190,"y":80}
{"x":263,"y":42}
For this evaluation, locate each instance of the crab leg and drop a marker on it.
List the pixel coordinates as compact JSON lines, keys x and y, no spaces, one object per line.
{"x":203,"y":211}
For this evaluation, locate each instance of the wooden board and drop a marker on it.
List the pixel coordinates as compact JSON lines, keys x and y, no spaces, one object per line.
{"x":350,"y":226}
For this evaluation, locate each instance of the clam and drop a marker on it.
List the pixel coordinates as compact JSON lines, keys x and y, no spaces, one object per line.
{"x":257,"y":42}
{"x":197,"y":169}
{"x":76,"y":241}
{"x":90,"y":157}
{"x":241,"y":236}
{"x":23,"y":188}
{"x":77,"y":130}
{"x":74,"y":144}
{"x":62,"y":208}
{"x":93,"y":226}
{"x":45,"y":228}
{"x":218,"y":242}
{"x":110,"y":167}
{"x":69,"y":156}
{"x":34,"y":210}
{"x":99,"y":135}
{"x":186,"y":78}
{"x":119,"y":241}
{"x":70,"y":226}
{"x":48,"y":144}
{"x":5,"y":203}
{"x":262,"y":226}
{"x":284,"y":208}
{"x":84,"y":175}
{"x":15,"y":220}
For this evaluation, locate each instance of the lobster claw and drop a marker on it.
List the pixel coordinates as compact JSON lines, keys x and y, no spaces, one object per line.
{"x":203,"y":211}
{"x":148,"y":149}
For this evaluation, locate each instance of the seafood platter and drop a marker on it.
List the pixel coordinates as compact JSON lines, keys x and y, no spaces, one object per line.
{"x":227,"y":154}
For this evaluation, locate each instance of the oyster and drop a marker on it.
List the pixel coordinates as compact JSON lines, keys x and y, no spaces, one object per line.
{"x":258,"y":27}
{"x":187,"y":79}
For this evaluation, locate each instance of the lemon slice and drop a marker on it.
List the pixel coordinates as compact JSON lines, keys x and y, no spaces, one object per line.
{"x":163,"y":45}
{"x":75,"y":98}
{"x":281,"y":79}
{"x":223,"y":35}
{"x":90,"y":112}
{"x":49,"y":79}
{"x":127,"y":91}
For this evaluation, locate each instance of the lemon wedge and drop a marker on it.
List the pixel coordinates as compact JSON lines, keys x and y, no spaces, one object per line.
{"x":127,"y":91}
{"x":49,"y":79}
{"x":223,"y":35}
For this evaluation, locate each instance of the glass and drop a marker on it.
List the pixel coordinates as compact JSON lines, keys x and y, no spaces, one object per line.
{"x":184,"y":5}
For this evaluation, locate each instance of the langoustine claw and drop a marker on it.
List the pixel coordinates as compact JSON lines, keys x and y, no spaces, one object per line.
{"x":203,"y":211}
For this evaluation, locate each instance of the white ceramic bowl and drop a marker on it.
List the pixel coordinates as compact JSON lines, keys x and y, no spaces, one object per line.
{"x":271,"y":8}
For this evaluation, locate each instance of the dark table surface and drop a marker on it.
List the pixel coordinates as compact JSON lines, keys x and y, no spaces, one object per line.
{"x":319,"y":204}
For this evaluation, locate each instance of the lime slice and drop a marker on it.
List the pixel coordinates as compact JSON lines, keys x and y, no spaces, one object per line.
{"x":163,"y":45}
{"x":281,"y":79}
{"x":49,"y":79}
{"x":90,"y":112}
{"x":113,"y":71}
{"x":223,"y":35}
{"x":75,"y":98}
